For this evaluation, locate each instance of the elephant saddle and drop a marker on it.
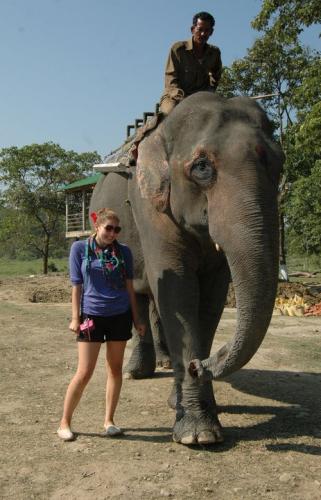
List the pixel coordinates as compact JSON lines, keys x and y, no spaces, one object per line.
{"x":126,"y":155}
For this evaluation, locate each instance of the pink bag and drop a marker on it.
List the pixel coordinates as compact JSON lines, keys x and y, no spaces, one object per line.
{"x":87,"y":326}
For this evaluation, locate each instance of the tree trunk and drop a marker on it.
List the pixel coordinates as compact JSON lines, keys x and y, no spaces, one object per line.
{"x":282,"y":190}
{"x":46,"y":254}
{"x":282,"y":238}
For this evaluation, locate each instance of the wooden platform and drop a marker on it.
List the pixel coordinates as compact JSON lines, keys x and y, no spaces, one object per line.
{"x":110,"y":167}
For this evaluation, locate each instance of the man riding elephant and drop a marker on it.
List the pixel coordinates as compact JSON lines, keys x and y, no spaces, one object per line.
{"x":192,"y":65}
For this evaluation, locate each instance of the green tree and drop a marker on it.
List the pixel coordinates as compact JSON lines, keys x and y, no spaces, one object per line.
{"x":273,"y":66}
{"x":303,"y":213}
{"x":304,"y":144}
{"x":32,"y":177}
{"x":228,"y":86}
{"x":303,"y":202}
{"x":289,"y":16}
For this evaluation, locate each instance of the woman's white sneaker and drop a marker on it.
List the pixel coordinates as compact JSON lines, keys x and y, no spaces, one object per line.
{"x":112,"y":430}
{"x":65,"y":434}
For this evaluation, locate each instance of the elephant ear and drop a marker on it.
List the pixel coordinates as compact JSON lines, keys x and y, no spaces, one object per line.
{"x":153,"y":171}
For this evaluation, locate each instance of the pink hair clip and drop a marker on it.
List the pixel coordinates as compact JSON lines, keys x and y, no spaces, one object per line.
{"x":93,"y":215}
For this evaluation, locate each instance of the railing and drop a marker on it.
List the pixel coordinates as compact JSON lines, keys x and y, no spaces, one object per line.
{"x":75,"y":222}
{"x":77,"y":214}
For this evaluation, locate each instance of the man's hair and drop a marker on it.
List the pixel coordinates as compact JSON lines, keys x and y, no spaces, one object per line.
{"x":204,"y":16}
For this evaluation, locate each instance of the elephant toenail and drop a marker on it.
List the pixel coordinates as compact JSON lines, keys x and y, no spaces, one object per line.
{"x":206,"y":437}
{"x":190,"y":439}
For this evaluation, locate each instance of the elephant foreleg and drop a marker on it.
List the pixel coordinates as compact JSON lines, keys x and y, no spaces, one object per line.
{"x":213,"y":291}
{"x":151,"y":350}
{"x":196,"y":422}
{"x":142,"y":362}
{"x":162,"y":354}
{"x":213,"y":294}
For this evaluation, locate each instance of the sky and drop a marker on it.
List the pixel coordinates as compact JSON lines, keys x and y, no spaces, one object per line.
{"x":77,"y":72}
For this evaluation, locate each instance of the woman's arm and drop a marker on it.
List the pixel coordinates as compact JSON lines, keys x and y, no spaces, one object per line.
{"x":140,"y":327}
{"x":75,"y":308}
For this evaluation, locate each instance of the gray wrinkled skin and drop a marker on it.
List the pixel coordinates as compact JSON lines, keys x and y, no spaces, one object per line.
{"x":207,"y":175}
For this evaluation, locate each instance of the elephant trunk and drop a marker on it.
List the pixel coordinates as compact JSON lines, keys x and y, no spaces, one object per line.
{"x":253,"y":259}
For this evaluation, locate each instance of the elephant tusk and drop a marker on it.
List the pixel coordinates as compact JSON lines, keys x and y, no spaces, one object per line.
{"x":217,"y":246}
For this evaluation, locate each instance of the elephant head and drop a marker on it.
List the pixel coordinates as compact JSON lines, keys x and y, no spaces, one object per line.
{"x":214,"y":172}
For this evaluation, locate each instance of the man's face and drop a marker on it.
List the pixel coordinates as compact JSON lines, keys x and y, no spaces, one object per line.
{"x":201,"y":31}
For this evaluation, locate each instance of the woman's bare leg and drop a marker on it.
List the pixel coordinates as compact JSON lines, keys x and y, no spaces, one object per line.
{"x":114,"y":364}
{"x":87,"y":358}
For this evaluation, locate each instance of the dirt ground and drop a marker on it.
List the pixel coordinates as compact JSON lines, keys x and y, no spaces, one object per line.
{"x":56,"y":288}
{"x":270,"y":410}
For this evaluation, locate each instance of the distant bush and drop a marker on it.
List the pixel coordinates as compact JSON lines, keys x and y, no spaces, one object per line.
{"x":52,"y":267}
{"x":310,"y":263}
{"x":17,"y":267}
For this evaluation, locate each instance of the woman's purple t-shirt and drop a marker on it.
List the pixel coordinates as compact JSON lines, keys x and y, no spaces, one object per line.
{"x":99,"y":297}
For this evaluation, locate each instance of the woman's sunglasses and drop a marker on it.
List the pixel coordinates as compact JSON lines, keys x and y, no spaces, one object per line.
{"x":116,"y":229}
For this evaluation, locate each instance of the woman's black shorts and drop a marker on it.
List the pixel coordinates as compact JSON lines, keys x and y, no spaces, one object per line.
{"x":118,"y":327}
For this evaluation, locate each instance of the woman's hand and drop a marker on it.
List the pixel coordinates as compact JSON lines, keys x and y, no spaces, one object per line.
{"x":76,"y":292}
{"x":75,"y":325}
{"x":141,"y":329}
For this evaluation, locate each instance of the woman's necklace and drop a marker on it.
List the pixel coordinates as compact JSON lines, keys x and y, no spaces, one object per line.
{"x":111,"y":261}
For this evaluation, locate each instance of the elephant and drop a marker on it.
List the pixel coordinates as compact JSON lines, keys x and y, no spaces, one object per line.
{"x":199,"y":209}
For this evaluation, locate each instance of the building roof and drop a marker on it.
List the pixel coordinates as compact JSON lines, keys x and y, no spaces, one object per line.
{"x":87,"y":181}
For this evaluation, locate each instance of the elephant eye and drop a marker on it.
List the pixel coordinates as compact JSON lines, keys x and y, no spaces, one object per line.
{"x":202,"y":172}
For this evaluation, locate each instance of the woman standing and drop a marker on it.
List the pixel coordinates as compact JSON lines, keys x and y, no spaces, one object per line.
{"x":103,"y":309}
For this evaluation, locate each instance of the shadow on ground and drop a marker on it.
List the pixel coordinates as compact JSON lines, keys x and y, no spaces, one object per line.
{"x":300,"y":417}
{"x":154,"y":434}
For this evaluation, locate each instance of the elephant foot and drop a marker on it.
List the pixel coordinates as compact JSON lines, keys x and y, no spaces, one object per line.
{"x":164,"y":363}
{"x":193,"y":429}
{"x":142,"y":362}
{"x":163,"y":359}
